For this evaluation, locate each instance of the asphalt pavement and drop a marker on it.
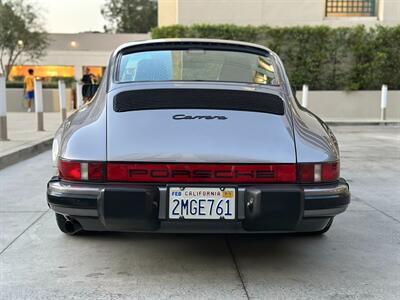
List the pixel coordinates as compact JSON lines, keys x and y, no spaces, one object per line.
{"x":359,"y":258}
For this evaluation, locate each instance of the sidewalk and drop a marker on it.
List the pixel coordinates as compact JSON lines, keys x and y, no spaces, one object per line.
{"x":24,"y":140}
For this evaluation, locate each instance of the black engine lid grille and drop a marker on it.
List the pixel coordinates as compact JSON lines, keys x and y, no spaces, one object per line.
{"x":198,"y":99}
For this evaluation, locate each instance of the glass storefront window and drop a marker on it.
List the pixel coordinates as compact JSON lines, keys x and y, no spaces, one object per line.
{"x":44,"y":72}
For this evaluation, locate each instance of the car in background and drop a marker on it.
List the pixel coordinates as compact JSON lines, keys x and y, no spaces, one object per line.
{"x":195,"y":136}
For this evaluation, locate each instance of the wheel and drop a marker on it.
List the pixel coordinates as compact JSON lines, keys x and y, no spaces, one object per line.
{"x":67,"y":226}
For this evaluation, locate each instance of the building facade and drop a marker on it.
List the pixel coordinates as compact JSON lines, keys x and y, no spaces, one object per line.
{"x":69,"y":54}
{"x":279,"y":12}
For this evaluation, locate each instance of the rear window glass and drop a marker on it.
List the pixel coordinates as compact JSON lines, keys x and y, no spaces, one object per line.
{"x":197,"y":65}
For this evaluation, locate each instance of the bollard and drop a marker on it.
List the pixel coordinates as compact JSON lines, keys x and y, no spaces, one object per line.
{"x":384,"y":99}
{"x":304,"y":99}
{"x":61,"y":95}
{"x":3,"y":110}
{"x":79,"y":98}
{"x":39,"y":104}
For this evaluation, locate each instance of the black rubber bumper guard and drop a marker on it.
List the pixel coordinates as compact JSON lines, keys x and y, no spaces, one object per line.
{"x":143,"y":208}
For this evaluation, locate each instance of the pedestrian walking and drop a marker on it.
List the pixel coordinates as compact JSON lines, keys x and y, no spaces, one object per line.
{"x":29,"y":88}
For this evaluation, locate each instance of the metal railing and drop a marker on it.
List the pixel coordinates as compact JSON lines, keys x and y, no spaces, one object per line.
{"x":350,"y":8}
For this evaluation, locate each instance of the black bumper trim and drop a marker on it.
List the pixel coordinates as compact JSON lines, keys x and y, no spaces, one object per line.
{"x":79,"y":199}
{"x":320,"y":198}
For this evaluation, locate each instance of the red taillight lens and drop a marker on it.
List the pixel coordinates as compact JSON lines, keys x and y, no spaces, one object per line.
{"x":201,"y":173}
{"x":330,"y":171}
{"x":323,"y":172}
{"x":81,"y":171}
{"x":69,"y":170}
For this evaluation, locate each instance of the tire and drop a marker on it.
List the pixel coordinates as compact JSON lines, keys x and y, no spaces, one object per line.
{"x":60,"y":219}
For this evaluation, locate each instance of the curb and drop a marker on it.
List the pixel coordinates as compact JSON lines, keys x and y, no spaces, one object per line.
{"x":26,"y":152}
{"x":362,"y":123}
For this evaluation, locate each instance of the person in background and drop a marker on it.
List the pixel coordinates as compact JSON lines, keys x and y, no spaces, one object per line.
{"x":29,"y":88}
{"x":88,"y":79}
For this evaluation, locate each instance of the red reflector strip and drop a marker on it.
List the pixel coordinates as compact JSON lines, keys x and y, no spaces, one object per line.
{"x":201,"y":173}
{"x":96,"y":171}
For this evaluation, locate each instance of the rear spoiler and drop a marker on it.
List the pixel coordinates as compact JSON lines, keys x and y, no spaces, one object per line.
{"x":198,"y":99}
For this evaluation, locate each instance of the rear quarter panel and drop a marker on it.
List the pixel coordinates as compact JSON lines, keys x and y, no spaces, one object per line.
{"x":315,"y":141}
{"x":82,"y":136}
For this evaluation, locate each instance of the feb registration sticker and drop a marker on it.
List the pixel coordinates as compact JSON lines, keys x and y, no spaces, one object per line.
{"x":202,"y":203}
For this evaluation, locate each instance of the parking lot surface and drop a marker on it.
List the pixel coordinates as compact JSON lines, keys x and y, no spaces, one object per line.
{"x":359,"y":258}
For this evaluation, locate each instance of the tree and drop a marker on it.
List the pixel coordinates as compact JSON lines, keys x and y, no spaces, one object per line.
{"x":21,"y":34}
{"x":130,"y":16}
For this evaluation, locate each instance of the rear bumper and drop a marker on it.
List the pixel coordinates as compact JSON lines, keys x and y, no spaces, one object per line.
{"x":260,"y":208}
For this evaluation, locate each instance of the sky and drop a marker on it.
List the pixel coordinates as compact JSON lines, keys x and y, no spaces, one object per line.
{"x":71,"y":16}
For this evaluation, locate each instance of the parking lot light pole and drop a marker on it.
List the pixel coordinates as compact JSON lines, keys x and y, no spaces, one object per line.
{"x":39,"y":104}
{"x":3,"y":109}
{"x":61,"y":94}
{"x":384,"y":99}
{"x":304,"y":98}
{"x":79,"y":98}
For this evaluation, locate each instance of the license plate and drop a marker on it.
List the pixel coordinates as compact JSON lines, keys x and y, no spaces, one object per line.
{"x":202,"y":203}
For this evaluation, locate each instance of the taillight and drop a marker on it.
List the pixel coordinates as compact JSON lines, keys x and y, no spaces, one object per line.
{"x":198,"y":173}
{"x":314,"y":173}
{"x":81,"y":171}
{"x":96,"y":171}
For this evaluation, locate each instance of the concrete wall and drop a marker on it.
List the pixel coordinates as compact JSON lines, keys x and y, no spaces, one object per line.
{"x":267,"y":12}
{"x":389,"y":11}
{"x":358,"y":105}
{"x":167,"y":12}
{"x":16,"y":101}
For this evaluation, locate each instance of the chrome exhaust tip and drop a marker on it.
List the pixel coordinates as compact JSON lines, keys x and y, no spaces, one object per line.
{"x":72,"y":227}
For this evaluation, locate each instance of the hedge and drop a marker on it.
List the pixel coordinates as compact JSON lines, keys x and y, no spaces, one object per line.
{"x":325,"y":58}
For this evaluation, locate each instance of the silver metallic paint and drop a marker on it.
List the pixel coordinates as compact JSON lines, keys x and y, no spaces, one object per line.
{"x":82,"y":135}
{"x":154,"y":136}
{"x":95,"y":132}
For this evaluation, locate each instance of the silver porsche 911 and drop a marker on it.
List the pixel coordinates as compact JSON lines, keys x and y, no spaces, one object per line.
{"x":193,"y":135}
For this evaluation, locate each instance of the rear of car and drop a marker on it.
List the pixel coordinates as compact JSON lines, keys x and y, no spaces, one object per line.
{"x":196,"y":136}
